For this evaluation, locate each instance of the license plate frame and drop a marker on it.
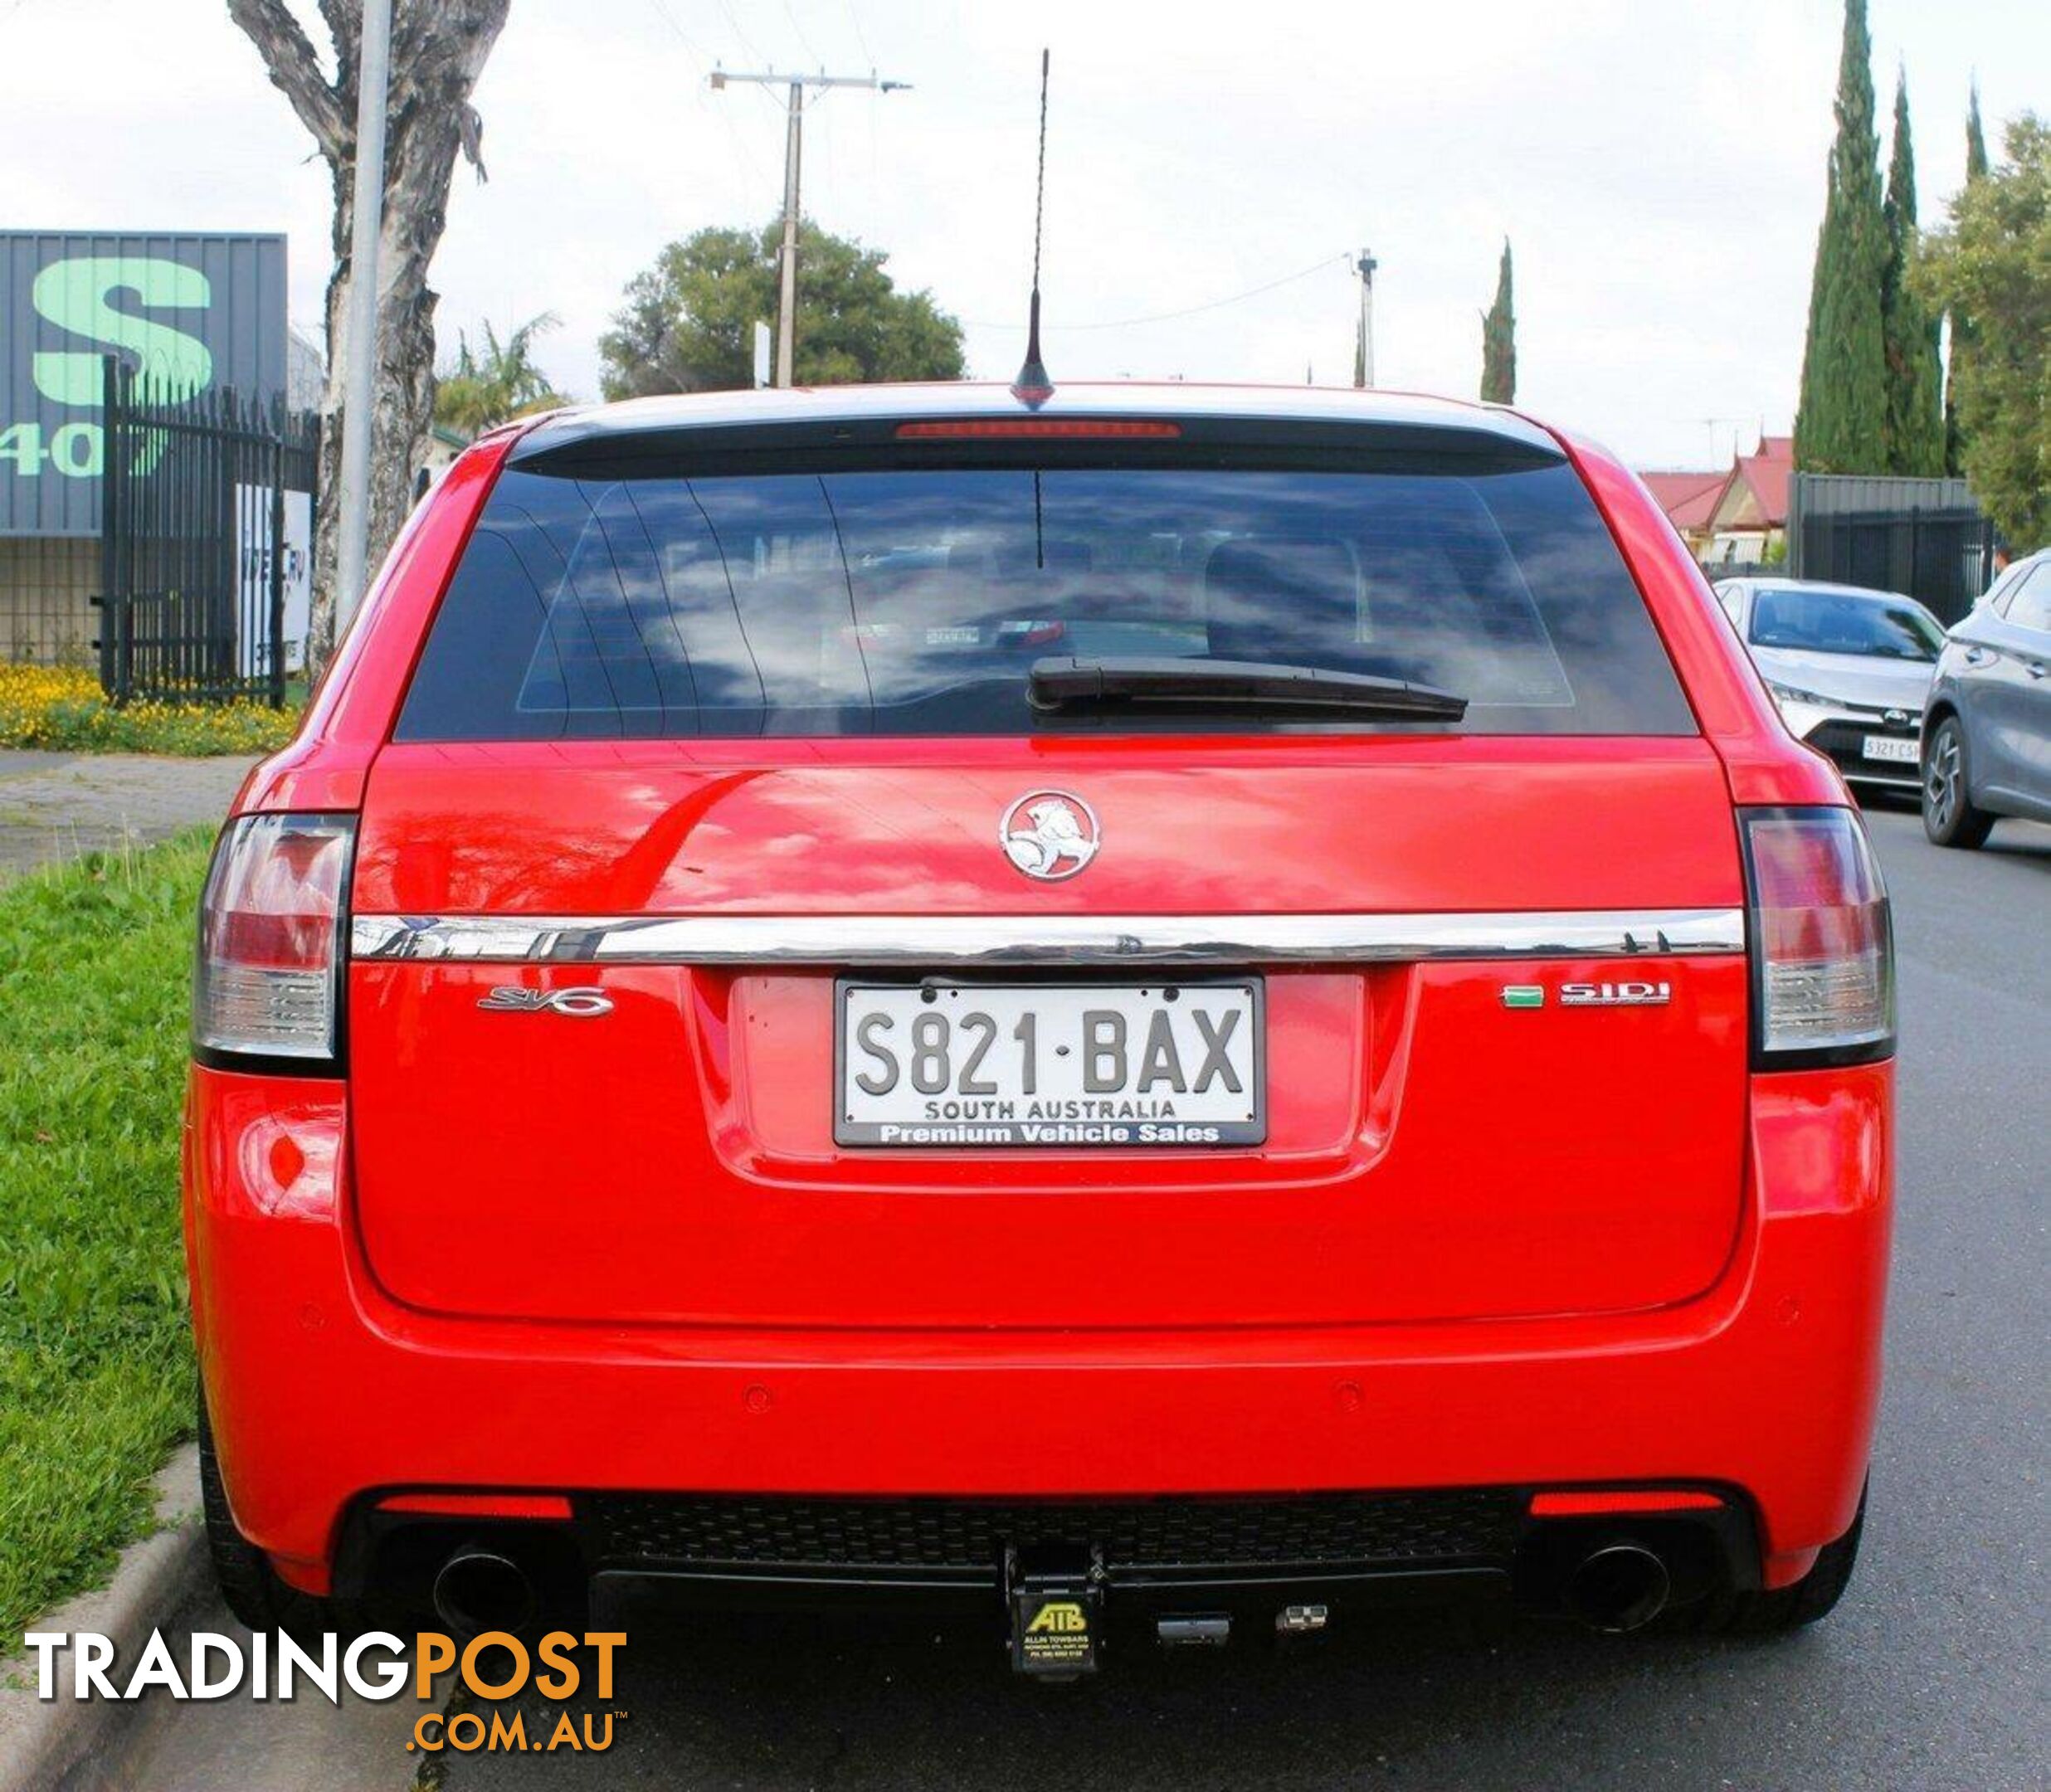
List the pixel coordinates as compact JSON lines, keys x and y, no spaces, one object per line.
{"x":1181,"y":1131}
{"x":1891,"y":749}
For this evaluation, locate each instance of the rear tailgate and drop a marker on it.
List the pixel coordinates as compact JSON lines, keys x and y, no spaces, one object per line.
{"x":676,"y":679}
{"x":1432,"y":1151}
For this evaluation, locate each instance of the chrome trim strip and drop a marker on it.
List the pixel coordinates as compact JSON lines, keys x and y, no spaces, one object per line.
{"x":938,"y":941}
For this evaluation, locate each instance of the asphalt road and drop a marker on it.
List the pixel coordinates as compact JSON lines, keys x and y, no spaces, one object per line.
{"x":1931,"y":1674}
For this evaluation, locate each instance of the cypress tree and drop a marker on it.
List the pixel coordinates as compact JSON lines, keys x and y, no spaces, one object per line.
{"x":1964,"y":337}
{"x":1498,"y":340}
{"x":1841,"y":423}
{"x":1915,"y":436}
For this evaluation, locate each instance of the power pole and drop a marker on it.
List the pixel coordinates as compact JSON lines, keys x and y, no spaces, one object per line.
{"x":359,"y":402}
{"x":1364,"y":348}
{"x":787,"y":263}
{"x":793,"y":146}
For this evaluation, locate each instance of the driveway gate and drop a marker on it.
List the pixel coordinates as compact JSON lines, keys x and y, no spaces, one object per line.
{"x":206,"y":543}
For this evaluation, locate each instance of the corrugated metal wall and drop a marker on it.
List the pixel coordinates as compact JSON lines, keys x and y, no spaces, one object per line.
{"x":203,"y":310}
{"x":1835,"y":494}
{"x":1926,"y":537}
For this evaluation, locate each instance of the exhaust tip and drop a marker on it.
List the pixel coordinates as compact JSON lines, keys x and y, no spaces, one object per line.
{"x":479,"y":1590}
{"x":1620,"y":1587}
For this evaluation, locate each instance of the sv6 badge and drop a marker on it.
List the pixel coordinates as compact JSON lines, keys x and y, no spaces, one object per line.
{"x":582,"y":1003}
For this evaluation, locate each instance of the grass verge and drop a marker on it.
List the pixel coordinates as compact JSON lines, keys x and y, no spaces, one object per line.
{"x":95,"y":1359}
{"x":63,"y":709}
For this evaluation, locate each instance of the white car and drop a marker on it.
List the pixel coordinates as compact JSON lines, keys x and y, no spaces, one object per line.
{"x":1850,"y":668}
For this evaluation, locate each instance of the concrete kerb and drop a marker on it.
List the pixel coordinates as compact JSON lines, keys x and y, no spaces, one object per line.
{"x":41,"y":1740}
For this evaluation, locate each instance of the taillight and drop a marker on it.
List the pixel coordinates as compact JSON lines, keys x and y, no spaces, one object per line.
{"x":1822,"y":943}
{"x":268,"y":984}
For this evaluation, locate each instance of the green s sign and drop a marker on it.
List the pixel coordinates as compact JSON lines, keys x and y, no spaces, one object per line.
{"x":75,"y":295}
{"x":192,"y":314}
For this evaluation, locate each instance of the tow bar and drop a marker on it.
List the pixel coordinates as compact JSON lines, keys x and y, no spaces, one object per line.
{"x":1056,"y":1597}
{"x":1055,"y":1594}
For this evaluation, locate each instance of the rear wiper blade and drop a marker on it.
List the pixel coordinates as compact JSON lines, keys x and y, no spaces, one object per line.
{"x":1167,"y":681}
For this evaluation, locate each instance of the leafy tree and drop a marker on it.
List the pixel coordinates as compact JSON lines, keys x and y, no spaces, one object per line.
{"x":1962,"y":334}
{"x":480,"y":390}
{"x":1993,"y":264}
{"x":1498,"y":340}
{"x":1915,"y":375}
{"x":439,"y":48}
{"x":687,"y":324}
{"x":1840,"y":424}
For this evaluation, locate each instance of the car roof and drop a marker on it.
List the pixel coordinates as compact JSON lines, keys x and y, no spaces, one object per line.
{"x":828,"y":405}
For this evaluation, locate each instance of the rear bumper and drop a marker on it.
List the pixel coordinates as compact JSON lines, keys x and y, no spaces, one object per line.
{"x":324,"y":1392}
{"x":1252,"y":1556}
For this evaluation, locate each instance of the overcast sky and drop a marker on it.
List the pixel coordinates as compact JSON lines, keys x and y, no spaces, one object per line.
{"x":1658,"y":165}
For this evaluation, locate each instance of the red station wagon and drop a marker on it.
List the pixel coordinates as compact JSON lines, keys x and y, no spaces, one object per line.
{"x":1210,"y":1007}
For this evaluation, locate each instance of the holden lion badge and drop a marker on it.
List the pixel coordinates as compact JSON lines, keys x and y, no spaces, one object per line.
{"x":1049,"y":835}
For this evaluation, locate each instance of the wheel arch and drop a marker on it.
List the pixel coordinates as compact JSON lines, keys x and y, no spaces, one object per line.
{"x":1943,"y":709}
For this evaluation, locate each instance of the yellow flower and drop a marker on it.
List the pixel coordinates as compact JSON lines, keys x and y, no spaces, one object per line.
{"x":63,"y":707}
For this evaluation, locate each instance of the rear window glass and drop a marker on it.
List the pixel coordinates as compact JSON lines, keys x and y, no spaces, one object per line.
{"x":915,"y":601}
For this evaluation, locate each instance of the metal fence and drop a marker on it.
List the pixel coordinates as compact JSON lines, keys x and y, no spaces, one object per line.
{"x":206,"y":528}
{"x":1924,"y":536}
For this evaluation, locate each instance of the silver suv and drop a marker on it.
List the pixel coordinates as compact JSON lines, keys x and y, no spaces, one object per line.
{"x":1986,"y":728}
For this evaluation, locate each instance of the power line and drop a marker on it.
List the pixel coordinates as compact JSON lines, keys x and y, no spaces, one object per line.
{"x":1317,"y":267}
{"x":727,"y":12}
{"x":705,"y":65}
{"x":862,"y":37}
{"x":669,"y":18}
{"x":804,"y":42}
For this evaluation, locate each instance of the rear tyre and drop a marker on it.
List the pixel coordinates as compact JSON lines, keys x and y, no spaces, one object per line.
{"x":1950,"y":817}
{"x":248,"y":1584}
{"x":1776,"y":1612}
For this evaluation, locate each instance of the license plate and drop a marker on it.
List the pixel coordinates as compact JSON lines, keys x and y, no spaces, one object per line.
{"x":1057,"y":1067}
{"x":1895,"y":751}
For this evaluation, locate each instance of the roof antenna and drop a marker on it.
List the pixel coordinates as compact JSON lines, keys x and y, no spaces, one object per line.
{"x":1033,"y":386}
